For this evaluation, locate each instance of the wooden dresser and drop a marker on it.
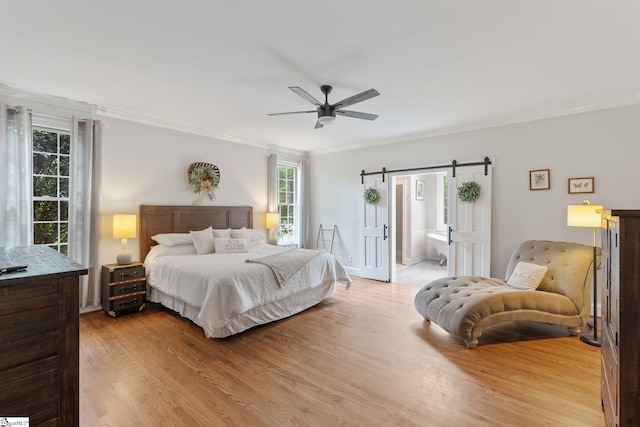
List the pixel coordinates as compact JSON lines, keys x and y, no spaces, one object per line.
{"x":620,"y":303}
{"x":39,"y":313}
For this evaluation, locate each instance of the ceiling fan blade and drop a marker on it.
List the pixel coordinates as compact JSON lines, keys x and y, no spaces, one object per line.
{"x":292,"y":112}
{"x":318,"y":125}
{"x":305,"y":95}
{"x":362,"y":96}
{"x":357,"y":115}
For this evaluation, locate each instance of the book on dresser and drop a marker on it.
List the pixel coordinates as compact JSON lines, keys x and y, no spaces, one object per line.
{"x":620,"y":311}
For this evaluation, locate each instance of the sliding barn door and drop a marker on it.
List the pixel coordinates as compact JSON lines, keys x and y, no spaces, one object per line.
{"x":470,"y":225}
{"x":375,"y":231}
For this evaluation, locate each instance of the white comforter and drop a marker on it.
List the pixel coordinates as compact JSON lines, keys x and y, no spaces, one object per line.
{"x":223,"y":286}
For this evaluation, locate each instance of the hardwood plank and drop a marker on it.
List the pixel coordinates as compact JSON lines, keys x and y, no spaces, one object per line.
{"x":363,"y":357}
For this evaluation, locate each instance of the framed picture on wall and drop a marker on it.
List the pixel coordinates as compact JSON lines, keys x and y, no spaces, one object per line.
{"x":540,"y":179}
{"x":581,"y":185}
{"x":419,"y":190}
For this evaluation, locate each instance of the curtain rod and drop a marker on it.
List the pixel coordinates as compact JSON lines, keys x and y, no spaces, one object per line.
{"x":14,"y":109}
{"x":454,"y":164}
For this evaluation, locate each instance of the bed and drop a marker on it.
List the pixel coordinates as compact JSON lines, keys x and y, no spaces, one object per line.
{"x":234,"y":280}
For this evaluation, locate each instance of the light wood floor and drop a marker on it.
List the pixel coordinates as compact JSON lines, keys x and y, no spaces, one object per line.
{"x":364,"y":357}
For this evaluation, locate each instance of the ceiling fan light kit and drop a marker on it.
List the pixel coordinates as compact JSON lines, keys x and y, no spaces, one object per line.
{"x":326,"y":120}
{"x":327,"y":112}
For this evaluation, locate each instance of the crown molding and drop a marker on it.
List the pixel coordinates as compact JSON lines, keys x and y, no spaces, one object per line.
{"x":487,"y":124}
{"x":47,"y":100}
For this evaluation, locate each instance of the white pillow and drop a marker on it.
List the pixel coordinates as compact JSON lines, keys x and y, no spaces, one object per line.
{"x":173,"y":239}
{"x":231,"y":245}
{"x":255,"y":236}
{"x":241,"y":233}
{"x":527,"y":276}
{"x":222,"y":233}
{"x":203,"y":240}
{"x":158,"y":251}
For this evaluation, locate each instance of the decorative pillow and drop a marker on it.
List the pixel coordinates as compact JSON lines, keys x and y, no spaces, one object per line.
{"x":527,"y":276}
{"x":173,"y":239}
{"x":222,"y":233}
{"x":231,"y":245}
{"x":203,"y":240}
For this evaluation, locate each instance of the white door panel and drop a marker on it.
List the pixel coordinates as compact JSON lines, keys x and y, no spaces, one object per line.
{"x":375,"y":232}
{"x":470,"y":225}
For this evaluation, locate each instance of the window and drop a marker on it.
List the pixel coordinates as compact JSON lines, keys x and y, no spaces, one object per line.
{"x":442,"y":200}
{"x":288,"y":204}
{"x":51,"y":161}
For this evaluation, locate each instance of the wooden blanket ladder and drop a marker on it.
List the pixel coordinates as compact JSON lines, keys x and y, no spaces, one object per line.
{"x":326,"y":236}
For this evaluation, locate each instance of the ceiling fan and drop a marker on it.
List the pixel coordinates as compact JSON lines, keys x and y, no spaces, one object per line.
{"x":327,"y":112}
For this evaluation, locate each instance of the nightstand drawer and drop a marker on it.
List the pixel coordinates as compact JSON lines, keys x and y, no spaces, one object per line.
{"x":120,"y":274}
{"x":129,"y":287}
{"x":126,"y":302}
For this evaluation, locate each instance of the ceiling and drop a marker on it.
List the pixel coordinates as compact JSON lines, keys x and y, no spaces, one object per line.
{"x":219,"y":67}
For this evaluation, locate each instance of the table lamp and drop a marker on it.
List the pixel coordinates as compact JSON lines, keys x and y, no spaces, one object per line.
{"x":272,"y":222}
{"x":124,"y":227}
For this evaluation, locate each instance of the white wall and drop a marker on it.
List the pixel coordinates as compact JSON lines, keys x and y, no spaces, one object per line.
{"x":603,"y":144}
{"x":148,"y":165}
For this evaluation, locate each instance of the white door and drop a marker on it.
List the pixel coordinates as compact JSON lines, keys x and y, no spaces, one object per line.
{"x":470,"y":225}
{"x":375,"y":231}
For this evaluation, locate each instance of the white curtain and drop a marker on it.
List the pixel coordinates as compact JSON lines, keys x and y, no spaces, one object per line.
{"x":272,"y":192}
{"x":16,"y":228}
{"x":272,"y":183}
{"x":304,"y":191}
{"x":84,"y":206}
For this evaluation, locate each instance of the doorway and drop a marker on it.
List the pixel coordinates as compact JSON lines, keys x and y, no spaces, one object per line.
{"x":466,"y":226}
{"x":421,"y":244}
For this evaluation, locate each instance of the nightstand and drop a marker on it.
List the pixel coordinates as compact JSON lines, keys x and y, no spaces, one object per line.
{"x":124,"y":288}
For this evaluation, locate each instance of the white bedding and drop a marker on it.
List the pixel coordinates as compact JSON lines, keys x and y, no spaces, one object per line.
{"x":225,"y":295}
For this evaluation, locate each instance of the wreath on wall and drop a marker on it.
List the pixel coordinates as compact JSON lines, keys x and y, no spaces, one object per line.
{"x":371,"y":196}
{"x":469,"y":192}
{"x":203,"y":179}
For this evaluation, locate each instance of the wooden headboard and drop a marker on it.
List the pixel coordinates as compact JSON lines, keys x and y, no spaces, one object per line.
{"x":154,"y":219}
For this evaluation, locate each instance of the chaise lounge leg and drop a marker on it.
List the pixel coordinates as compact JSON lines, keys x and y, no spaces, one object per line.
{"x":573,"y":331}
{"x":472,"y":343}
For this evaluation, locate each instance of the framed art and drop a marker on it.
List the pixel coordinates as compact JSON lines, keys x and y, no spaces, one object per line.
{"x":581,"y":185}
{"x":419,"y":190}
{"x":540,"y":179}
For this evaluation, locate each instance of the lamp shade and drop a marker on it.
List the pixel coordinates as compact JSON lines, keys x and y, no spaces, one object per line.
{"x":272,"y":220}
{"x":584,"y":215}
{"x":124,"y":226}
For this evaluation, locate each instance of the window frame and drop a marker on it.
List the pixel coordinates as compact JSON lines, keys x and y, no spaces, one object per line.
{"x":442,"y":202}
{"x":292,"y":213}
{"x":62,"y":227}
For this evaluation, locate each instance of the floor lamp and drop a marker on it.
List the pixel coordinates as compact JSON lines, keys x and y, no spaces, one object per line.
{"x":588,"y":215}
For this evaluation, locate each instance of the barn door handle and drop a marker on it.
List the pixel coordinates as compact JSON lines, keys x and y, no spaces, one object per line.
{"x":384,"y":236}
{"x":449,"y":237}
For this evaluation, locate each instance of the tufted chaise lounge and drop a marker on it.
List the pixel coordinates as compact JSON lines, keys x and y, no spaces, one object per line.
{"x":466,"y":305}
